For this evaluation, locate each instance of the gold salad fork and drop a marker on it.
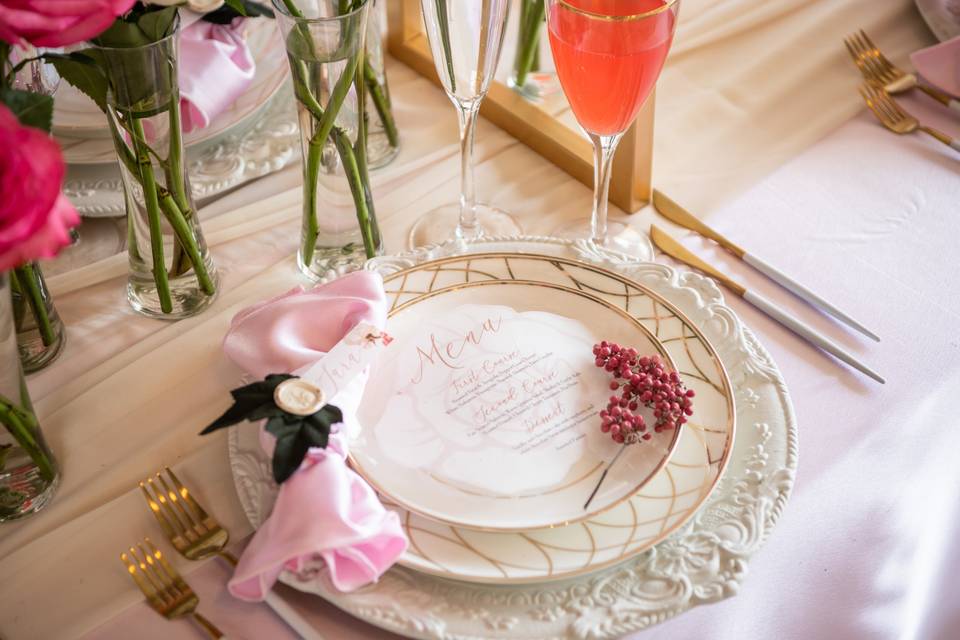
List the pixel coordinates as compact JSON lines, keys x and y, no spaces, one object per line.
{"x":191,"y":531}
{"x":894,"y":118}
{"x":197,"y":536}
{"x":877,"y":69}
{"x":166,"y":592}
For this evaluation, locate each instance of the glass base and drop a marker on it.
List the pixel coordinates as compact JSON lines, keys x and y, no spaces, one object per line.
{"x":380,"y":152}
{"x":34,"y":355}
{"x":332,"y":261}
{"x":187,"y":296}
{"x":440,"y":225}
{"x":22,"y":489}
{"x":537,"y":86}
{"x":620,"y":237}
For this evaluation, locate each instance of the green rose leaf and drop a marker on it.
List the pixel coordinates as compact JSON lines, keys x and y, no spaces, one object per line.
{"x":31,"y":109}
{"x":83,"y":70}
{"x":123,"y":35}
{"x":157,"y":25}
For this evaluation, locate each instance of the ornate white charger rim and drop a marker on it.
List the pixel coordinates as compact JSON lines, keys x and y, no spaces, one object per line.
{"x":704,"y":561}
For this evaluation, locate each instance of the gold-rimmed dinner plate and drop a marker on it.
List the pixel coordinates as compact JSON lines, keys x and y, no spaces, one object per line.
{"x":483,"y":411}
{"x":670,"y":498}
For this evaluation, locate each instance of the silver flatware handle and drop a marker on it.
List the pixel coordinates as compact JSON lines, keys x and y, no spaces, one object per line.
{"x":809,"y":334}
{"x":806,"y":294}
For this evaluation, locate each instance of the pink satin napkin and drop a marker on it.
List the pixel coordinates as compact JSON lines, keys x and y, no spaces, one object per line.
{"x":216,"y":67}
{"x":324,"y":509}
{"x":940,"y":65}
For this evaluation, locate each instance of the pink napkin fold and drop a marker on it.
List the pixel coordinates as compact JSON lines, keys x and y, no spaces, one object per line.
{"x":216,"y":67}
{"x":325,"y":509}
{"x":940,"y":65}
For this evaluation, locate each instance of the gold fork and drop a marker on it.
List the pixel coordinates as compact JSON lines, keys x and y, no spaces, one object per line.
{"x":197,"y":536}
{"x":894,"y":118}
{"x":877,"y":69}
{"x":166,"y":592}
{"x":191,"y":531}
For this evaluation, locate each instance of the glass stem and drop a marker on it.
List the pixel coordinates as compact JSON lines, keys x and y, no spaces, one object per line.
{"x":468,"y":228}
{"x":603,"y":149}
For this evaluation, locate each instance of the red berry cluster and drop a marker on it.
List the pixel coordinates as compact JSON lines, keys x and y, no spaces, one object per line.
{"x":642,"y":380}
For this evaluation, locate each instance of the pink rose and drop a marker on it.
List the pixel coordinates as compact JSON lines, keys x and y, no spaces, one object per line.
{"x":34,"y":215}
{"x":57,"y":23}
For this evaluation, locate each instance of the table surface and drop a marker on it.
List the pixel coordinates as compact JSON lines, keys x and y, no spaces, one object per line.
{"x":870,"y":537}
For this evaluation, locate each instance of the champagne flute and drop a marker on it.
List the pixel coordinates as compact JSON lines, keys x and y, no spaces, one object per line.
{"x":608,"y":54}
{"x":465,"y":38}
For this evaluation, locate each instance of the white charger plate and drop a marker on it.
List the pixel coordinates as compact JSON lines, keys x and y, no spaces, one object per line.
{"x":444,"y":442}
{"x":942,"y":16}
{"x":81,"y":128}
{"x":704,"y":561}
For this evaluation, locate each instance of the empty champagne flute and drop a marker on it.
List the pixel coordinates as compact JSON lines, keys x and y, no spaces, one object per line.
{"x":608,"y":54}
{"x":465,"y":38}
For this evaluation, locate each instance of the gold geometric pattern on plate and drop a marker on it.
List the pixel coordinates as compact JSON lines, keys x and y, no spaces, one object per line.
{"x":664,"y":503}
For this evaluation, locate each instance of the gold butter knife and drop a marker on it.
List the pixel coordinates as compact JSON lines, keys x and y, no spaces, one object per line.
{"x":675,"y":250}
{"x":678,"y":215}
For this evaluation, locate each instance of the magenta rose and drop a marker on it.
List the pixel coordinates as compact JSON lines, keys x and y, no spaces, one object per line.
{"x":35,"y":217}
{"x":57,"y":23}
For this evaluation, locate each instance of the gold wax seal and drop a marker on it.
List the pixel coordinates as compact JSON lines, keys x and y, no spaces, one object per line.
{"x":299,"y":397}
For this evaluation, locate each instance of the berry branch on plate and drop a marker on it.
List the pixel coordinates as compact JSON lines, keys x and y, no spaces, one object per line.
{"x":643,"y":381}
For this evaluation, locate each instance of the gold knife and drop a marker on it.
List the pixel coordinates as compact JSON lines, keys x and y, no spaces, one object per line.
{"x":675,"y":250}
{"x":678,"y":215}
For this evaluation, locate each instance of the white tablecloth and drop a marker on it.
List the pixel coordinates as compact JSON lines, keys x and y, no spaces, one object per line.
{"x":867,"y":546}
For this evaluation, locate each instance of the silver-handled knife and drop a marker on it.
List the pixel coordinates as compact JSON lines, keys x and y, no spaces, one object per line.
{"x":675,"y":250}
{"x":678,"y":215}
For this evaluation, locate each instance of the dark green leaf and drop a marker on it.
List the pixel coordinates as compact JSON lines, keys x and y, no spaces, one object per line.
{"x":157,"y":25}
{"x":318,"y":435}
{"x":280,"y":428}
{"x":31,"y":109}
{"x":242,"y":409}
{"x":83,"y":70}
{"x":288,"y":455}
{"x":237,"y":5}
{"x":251,"y":402}
{"x":123,"y":34}
{"x":226,"y":13}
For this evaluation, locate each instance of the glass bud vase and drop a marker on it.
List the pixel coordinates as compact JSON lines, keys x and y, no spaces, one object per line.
{"x":383,"y":138}
{"x":40,"y":335}
{"x":28,"y":470}
{"x":325,"y":49}
{"x":171,"y":273}
{"x":533,"y":75}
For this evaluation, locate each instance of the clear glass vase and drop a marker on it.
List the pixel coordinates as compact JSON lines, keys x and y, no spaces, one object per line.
{"x":325,"y":49}
{"x":533,"y":75}
{"x":172,"y":275}
{"x":40,"y":335}
{"x":28,"y":470}
{"x":383,"y":138}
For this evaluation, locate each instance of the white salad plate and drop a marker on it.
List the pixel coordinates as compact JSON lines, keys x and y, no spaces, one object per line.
{"x":81,"y":128}
{"x":695,"y":551}
{"x":482,"y":413}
